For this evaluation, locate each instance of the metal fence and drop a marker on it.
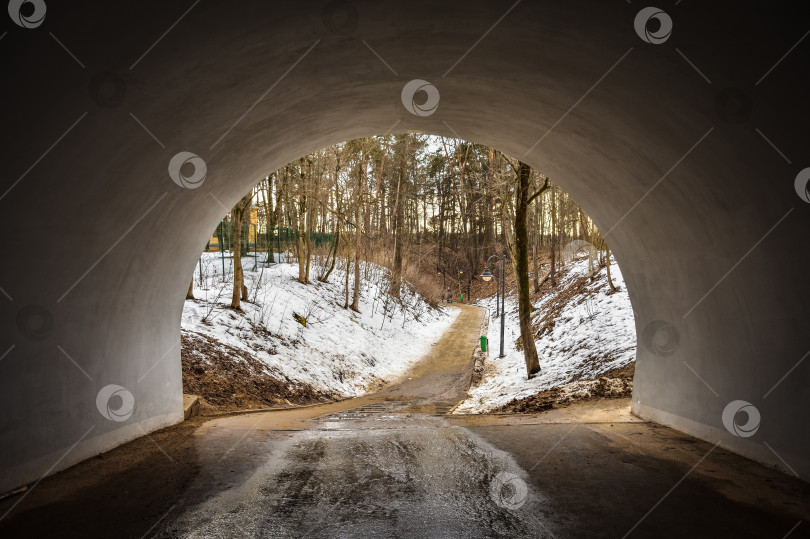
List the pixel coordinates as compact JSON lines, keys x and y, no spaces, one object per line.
{"x":265,"y":245}
{"x":260,"y":238}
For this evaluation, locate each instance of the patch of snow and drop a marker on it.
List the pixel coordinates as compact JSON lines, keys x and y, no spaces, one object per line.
{"x":339,"y":351}
{"x":590,"y":337}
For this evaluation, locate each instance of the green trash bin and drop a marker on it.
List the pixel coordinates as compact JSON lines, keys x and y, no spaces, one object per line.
{"x":484,"y":343}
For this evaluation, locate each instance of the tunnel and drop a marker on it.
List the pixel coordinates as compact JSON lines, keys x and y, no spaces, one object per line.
{"x":130,"y":128}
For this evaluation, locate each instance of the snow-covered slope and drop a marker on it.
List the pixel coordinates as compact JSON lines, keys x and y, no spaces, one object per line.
{"x":339,"y":352}
{"x":593,"y":333}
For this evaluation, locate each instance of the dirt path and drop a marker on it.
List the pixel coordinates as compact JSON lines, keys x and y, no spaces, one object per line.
{"x":442,"y":377}
{"x":435,"y":384}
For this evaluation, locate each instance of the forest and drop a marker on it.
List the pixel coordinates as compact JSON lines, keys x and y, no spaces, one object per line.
{"x":431,"y":210}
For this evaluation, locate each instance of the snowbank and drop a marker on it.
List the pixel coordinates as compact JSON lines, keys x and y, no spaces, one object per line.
{"x":340,"y":352}
{"x":594,"y":333}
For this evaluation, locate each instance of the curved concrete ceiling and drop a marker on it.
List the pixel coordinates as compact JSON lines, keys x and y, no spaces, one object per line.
{"x":683,"y":147}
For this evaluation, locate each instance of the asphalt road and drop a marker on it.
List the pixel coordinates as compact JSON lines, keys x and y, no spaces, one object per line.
{"x":395,"y":464}
{"x":386,"y":465}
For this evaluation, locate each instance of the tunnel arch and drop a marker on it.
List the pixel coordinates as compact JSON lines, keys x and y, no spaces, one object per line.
{"x":679,"y":149}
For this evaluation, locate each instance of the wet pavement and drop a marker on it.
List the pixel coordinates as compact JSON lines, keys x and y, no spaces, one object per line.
{"x":409,"y":476}
{"x":386,"y":465}
{"x":395,"y":464}
{"x":398,"y":464}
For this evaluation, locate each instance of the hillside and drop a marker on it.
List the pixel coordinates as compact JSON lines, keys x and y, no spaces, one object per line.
{"x":582,"y":331}
{"x":264,"y":356}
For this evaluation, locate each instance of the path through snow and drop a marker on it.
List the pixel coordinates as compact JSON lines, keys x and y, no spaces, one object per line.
{"x":339,"y":351}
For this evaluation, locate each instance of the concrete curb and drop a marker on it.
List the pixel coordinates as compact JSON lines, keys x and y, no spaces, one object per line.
{"x":191,"y":406}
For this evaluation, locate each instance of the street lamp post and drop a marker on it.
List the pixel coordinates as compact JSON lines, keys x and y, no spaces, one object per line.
{"x":486,"y":276}
{"x":444,"y":281}
{"x":497,"y":297}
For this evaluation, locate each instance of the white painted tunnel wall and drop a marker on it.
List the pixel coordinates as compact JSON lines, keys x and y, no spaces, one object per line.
{"x":101,"y":199}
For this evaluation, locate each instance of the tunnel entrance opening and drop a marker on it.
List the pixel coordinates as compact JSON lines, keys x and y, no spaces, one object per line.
{"x":347,"y":253}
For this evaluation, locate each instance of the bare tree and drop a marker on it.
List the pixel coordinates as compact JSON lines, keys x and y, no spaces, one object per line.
{"x":303,"y":232}
{"x":237,"y":214}
{"x":399,"y":211}
{"x":519,"y":247}
{"x":358,"y":226}
{"x":607,"y":263}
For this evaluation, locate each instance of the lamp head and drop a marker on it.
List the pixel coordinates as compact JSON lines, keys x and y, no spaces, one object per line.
{"x":487,"y":275}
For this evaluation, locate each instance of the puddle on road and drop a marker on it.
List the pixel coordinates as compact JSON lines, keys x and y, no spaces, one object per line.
{"x":376,"y":411}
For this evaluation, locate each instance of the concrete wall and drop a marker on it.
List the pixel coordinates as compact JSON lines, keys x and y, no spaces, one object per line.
{"x":101,"y":242}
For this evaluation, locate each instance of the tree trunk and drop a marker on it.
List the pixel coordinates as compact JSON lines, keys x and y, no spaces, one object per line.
{"x":359,"y":236}
{"x":396,"y":276}
{"x":309,"y":223}
{"x":325,"y":278}
{"x":307,"y":245}
{"x":348,"y":267}
{"x":489,"y":235}
{"x":522,"y":268}
{"x":440,"y":265}
{"x":238,"y":277}
{"x":610,"y":281}
{"x":282,"y":190}
{"x":536,"y":273}
{"x":246,"y":210}
{"x":269,"y":213}
{"x":301,"y":223}
{"x":190,"y":293}
{"x":338,"y":225}
{"x":553,"y":271}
